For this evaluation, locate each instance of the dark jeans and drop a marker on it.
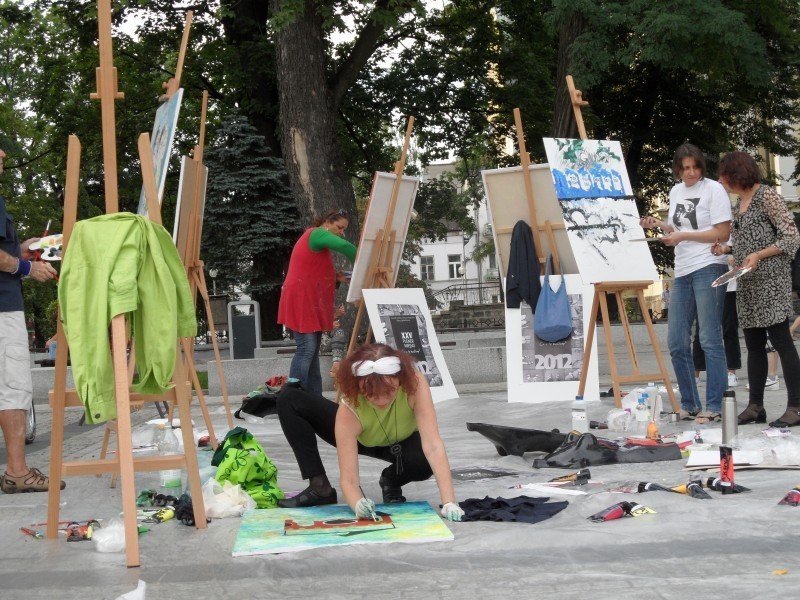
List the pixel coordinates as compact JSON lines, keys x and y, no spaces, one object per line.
{"x":305,"y":416}
{"x":305,"y":363}
{"x":755,"y":340}
{"x":730,"y":337}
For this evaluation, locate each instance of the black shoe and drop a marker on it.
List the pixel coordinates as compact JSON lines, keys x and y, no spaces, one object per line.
{"x":308,"y":497}
{"x":392,"y":494}
{"x":754,"y":413}
{"x":788,"y":419}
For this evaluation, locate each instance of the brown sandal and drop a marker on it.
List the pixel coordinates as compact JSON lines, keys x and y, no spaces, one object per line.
{"x":32,"y":481}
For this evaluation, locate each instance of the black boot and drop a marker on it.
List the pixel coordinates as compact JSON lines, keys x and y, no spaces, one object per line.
{"x":392,"y":494}
{"x":319,"y":492}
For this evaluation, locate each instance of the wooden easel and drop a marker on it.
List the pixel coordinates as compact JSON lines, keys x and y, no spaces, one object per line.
{"x":123,"y":462}
{"x":600,"y":303}
{"x":381,"y":272}
{"x":536,"y":229}
{"x":195,"y":273}
{"x":190,"y":255}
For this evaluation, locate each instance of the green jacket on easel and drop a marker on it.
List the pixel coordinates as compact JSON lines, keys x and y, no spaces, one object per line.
{"x":122,"y":264}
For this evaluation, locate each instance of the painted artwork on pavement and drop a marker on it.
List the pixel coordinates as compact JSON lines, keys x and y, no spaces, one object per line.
{"x":281,"y":530}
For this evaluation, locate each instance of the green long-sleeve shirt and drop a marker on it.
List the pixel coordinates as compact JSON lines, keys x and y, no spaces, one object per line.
{"x":321,"y":238}
{"x":122,"y":264}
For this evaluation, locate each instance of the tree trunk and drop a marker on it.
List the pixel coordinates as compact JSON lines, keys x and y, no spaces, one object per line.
{"x":314,"y":162}
{"x":564,"y":124}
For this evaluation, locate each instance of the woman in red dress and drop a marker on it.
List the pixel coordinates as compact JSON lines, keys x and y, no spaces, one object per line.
{"x":307,"y":296}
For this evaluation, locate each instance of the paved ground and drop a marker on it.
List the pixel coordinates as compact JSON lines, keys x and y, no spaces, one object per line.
{"x":690,"y":549}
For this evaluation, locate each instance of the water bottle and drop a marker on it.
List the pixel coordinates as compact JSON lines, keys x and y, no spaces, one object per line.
{"x":652,"y":393}
{"x":580,"y":422}
{"x":167,"y":444}
{"x":642,"y":416}
{"x":730,"y":420}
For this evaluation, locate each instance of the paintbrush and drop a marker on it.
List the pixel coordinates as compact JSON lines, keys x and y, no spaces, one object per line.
{"x":371,"y":512}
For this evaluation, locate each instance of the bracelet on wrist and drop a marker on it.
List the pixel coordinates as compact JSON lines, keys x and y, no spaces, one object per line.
{"x":14,"y":272}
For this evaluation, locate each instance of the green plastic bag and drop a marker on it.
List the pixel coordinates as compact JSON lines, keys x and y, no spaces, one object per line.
{"x":241,"y":459}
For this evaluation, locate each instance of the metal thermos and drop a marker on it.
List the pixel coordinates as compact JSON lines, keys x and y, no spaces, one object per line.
{"x":730,"y":417}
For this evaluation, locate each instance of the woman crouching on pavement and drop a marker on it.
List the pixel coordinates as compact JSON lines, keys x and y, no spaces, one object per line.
{"x":387,"y":413}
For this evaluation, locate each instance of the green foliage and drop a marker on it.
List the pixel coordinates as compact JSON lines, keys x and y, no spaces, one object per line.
{"x":251,"y":221}
{"x":406,"y":279}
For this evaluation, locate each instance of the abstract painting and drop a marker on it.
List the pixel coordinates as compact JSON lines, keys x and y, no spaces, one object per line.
{"x":278,"y":530}
{"x":400,"y":318}
{"x":599,"y":210}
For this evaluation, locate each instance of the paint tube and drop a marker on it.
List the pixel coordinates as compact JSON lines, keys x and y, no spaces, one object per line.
{"x":693,"y":489}
{"x":615,"y":511}
{"x":645,"y":486}
{"x":726,"y":468}
{"x":792,"y":498}
{"x":578,"y":478}
{"x":716,"y":484}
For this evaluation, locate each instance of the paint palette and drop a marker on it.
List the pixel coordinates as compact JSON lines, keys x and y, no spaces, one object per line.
{"x":49,"y":246}
{"x":730,"y":276}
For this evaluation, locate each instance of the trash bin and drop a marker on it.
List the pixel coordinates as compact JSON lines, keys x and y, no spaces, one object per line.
{"x":219,"y":311}
{"x":244,"y":328}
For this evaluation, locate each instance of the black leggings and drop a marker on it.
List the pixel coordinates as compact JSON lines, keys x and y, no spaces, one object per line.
{"x":304,"y":416}
{"x":755,"y":340}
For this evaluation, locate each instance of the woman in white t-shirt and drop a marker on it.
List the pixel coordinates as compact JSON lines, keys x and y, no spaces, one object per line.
{"x":699,"y":217}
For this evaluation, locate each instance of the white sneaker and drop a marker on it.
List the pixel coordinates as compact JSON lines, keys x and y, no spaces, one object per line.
{"x":733,"y":381}
{"x":770,"y":385}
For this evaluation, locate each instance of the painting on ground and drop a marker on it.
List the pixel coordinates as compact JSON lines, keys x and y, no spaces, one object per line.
{"x":161,"y":144}
{"x":279,"y":530}
{"x":540,"y":371}
{"x":599,"y":210}
{"x":401,"y":319}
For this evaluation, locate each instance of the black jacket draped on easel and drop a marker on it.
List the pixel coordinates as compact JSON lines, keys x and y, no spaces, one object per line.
{"x":522,"y":279}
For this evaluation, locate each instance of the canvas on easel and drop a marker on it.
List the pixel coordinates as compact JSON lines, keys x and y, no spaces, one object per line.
{"x":537,"y":372}
{"x":400,"y":318}
{"x":599,"y":210}
{"x":187,"y":189}
{"x":375,"y":219}
{"x":123,"y":462}
{"x":161,"y":140}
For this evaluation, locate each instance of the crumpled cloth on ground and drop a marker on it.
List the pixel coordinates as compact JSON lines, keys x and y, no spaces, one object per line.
{"x":525,"y":509}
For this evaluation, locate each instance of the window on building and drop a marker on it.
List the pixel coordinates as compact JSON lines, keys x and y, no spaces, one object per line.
{"x":453,"y":263}
{"x":426,"y":268}
{"x":492,"y":261}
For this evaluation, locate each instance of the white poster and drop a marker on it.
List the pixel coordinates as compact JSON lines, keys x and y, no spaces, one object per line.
{"x":400,"y":318}
{"x":599,"y":210}
{"x":542,"y":371}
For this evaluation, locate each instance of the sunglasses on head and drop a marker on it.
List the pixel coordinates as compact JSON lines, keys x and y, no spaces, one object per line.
{"x":341,"y":213}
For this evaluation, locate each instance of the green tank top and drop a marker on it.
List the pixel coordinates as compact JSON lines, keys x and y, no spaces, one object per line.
{"x":385,"y":427}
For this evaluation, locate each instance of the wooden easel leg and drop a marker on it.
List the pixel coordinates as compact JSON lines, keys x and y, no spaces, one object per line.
{"x":57,"y":404}
{"x":626,"y":329}
{"x":201,"y":286}
{"x":587,"y":350}
{"x":124,"y":441}
{"x":612,"y":359}
{"x":659,"y":358}
{"x":189,"y":450}
{"x":200,"y":398}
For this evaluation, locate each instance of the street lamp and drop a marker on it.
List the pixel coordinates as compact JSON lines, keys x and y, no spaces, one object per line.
{"x":213,"y":274}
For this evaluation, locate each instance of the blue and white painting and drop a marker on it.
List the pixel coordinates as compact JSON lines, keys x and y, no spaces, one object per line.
{"x":599,"y":210}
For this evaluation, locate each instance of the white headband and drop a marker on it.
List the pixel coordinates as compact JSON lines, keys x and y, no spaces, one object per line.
{"x":388,"y":365}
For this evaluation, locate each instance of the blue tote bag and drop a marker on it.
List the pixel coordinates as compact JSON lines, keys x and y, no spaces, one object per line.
{"x":552,"y":321}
